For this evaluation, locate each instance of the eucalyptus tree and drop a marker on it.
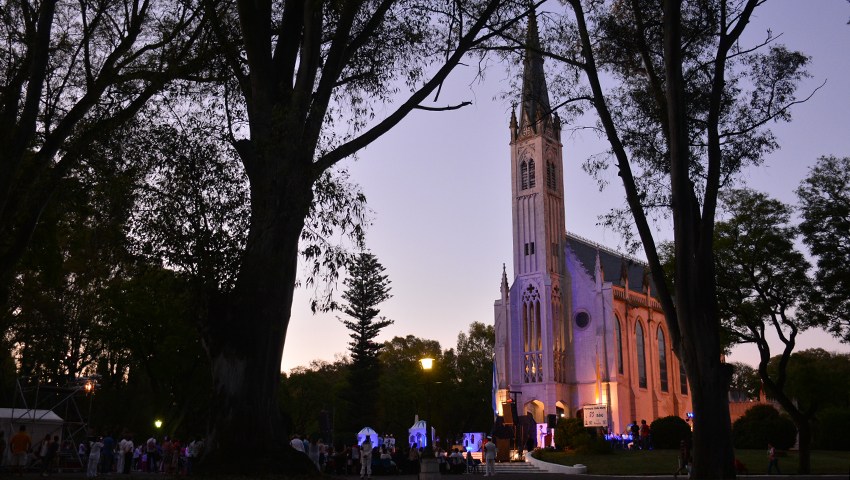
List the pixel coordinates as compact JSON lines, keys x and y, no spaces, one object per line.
{"x":72,"y":72}
{"x":688,"y":109}
{"x":308,"y":78}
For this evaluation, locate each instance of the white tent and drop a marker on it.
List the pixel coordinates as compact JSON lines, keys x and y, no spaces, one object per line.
{"x":39,"y":423}
{"x":373,"y":436}
{"x":417,"y":434}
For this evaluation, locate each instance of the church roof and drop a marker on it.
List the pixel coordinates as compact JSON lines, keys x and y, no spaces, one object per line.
{"x":535,"y":110}
{"x":613,"y":263}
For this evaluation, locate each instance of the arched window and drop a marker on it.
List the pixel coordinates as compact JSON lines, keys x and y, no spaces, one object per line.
{"x":551,"y":181}
{"x":525,"y":324}
{"x":524,"y":174}
{"x":641,"y":355}
{"x":531,"y":174}
{"x":537,"y":329}
{"x":619,"y":336}
{"x":683,"y":379}
{"x":662,"y":360}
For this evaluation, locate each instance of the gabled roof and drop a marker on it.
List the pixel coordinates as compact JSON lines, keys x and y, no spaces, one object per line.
{"x":613,"y":263}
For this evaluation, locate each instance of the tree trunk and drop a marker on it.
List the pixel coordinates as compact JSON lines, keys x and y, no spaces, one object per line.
{"x":713,"y":454}
{"x":805,"y":440}
{"x":245,"y":330}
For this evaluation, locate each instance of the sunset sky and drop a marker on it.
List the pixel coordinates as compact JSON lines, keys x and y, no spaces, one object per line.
{"x":438,"y":185}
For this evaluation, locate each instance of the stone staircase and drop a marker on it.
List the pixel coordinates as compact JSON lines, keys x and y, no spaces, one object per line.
{"x":516,"y":468}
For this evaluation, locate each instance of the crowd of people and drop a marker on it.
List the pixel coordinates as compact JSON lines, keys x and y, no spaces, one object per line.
{"x":383,"y":456}
{"x":102,"y":454}
{"x":170,"y":457}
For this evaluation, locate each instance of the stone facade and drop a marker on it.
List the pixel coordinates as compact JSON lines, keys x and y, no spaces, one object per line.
{"x":578,"y":325}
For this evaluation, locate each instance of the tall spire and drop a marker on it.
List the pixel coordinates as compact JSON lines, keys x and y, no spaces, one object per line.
{"x":535,"y":111}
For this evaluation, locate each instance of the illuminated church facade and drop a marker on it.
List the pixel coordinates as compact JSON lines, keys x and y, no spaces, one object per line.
{"x":578,"y":325}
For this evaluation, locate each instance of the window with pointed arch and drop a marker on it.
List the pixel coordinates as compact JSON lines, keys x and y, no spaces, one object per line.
{"x":683,"y":379}
{"x":641,"y":355}
{"x":662,"y":360}
{"x":531,"y":174}
{"x":523,"y":168}
{"x":619,"y":335}
{"x":551,"y":178}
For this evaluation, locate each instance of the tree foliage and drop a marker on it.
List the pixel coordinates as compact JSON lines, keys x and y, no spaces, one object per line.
{"x":762,"y":425}
{"x":746,"y":383}
{"x":72,"y":72}
{"x":825,"y":209}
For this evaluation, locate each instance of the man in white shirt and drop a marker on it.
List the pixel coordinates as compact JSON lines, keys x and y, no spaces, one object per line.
{"x":296,"y":443}
{"x":490,"y":457}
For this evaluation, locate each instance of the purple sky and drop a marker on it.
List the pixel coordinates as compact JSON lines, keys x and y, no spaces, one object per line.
{"x":439,"y":188}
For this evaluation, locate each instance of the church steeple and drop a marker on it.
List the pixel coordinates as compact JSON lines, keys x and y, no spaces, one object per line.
{"x":535,"y":111}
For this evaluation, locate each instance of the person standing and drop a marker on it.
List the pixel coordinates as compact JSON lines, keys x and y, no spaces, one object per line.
{"x":772,"y":460}
{"x":49,"y":456}
{"x":107,"y":453}
{"x":19,"y":445}
{"x":366,"y":458}
{"x":94,"y":458}
{"x":490,"y":457}
{"x":151,"y":454}
{"x":644,"y":435}
{"x":635,"y":431}
{"x":128,"y":454}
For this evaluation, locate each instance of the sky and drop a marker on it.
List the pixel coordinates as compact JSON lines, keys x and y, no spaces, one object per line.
{"x":438,"y":187}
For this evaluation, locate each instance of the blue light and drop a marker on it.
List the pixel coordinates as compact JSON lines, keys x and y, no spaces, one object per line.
{"x":690,"y":415}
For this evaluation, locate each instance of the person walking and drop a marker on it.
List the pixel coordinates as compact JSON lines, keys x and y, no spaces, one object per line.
{"x":772,"y":460}
{"x":366,"y":458}
{"x":490,"y":458}
{"x":684,"y":455}
{"x":20,"y":445}
{"x":94,"y":458}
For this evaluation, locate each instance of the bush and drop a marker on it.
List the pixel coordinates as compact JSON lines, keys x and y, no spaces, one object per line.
{"x":762,"y":424}
{"x":668,"y":432}
{"x":830,"y":429}
{"x":566,"y":430}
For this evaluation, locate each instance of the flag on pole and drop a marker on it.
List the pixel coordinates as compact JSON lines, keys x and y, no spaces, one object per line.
{"x":598,"y":378}
{"x":495,"y":390}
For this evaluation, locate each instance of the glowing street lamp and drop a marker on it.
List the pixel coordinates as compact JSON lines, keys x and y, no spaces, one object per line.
{"x":158,"y":423}
{"x":427,"y":364}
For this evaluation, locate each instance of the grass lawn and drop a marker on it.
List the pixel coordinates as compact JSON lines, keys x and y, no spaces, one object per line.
{"x":664,"y":462}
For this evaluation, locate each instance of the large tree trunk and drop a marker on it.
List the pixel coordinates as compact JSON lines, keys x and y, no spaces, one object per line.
{"x":245,"y":330}
{"x":696,"y":290}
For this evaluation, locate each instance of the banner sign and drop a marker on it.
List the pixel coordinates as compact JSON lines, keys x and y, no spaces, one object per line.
{"x":596,"y":415}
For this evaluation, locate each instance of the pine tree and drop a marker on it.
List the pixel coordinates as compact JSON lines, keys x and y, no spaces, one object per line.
{"x":366,"y":288}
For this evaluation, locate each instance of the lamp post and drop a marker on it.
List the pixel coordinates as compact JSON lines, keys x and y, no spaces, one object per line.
{"x":427,"y":363}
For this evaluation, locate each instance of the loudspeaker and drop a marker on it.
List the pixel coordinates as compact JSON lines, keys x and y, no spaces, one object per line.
{"x":509,"y":412}
{"x":552,"y":421}
{"x":325,"y":421}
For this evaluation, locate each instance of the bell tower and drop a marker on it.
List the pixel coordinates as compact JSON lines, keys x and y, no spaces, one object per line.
{"x":539,"y":329}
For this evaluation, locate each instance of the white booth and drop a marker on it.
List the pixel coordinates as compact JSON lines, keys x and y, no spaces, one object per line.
{"x":417,"y":434}
{"x":367,"y":432}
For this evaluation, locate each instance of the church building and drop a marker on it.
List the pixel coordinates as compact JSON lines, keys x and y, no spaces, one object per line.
{"x":578,"y":325}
